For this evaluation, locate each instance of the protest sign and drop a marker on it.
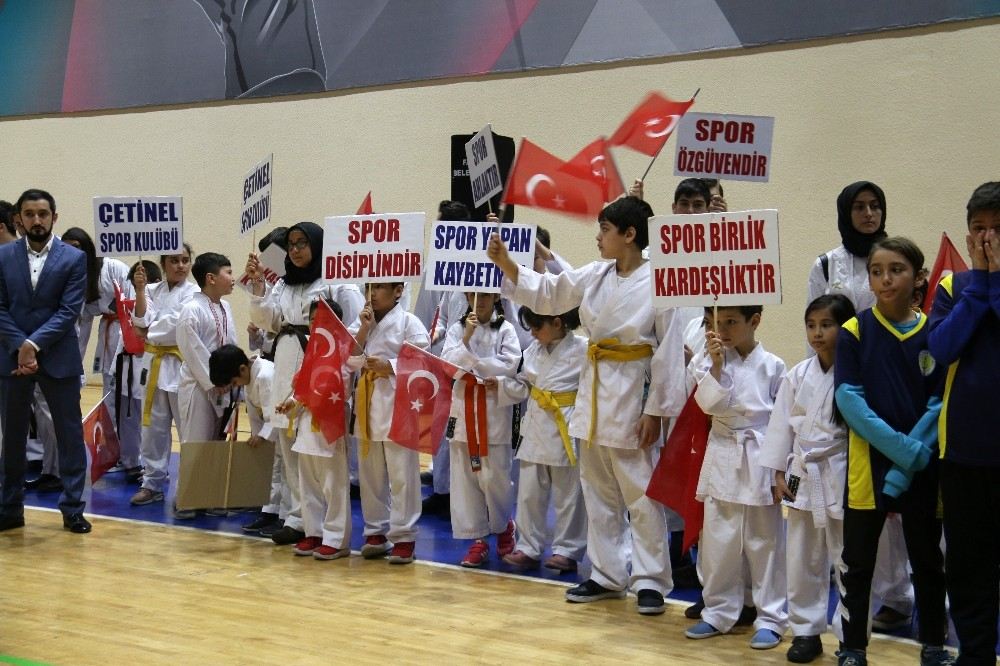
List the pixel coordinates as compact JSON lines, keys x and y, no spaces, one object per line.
{"x":484,"y":172}
{"x":719,"y":259}
{"x":711,"y":145}
{"x":272,"y":263}
{"x":129,"y":226}
{"x":457,"y":261}
{"x":384,"y":247}
{"x":256,"y":210}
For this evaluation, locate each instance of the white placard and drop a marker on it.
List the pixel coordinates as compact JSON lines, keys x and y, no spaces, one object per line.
{"x":382,"y":247}
{"x":715,"y":259}
{"x":712,"y":145}
{"x":484,"y":171}
{"x":130,"y":226}
{"x":457,"y":261}
{"x":256,"y":210}
{"x":272,"y":261}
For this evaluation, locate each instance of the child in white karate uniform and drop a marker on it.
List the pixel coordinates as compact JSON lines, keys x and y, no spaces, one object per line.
{"x":737,"y":381}
{"x":806,"y":446}
{"x":389,"y":474}
{"x":157,"y":310}
{"x":483,"y":343}
{"x":549,"y":376}
{"x":284,"y":312}
{"x":633,"y":377}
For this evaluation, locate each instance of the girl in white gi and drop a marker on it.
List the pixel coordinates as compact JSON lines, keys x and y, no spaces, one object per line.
{"x":861,"y":213}
{"x":284,"y":311}
{"x":549,"y":375}
{"x":806,"y":446}
{"x":157,"y":311}
{"x":485,"y":344}
{"x":324,"y":482}
{"x":621,"y":399}
{"x":103,"y":273}
{"x":737,"y":381}
{"x":389,"y":474}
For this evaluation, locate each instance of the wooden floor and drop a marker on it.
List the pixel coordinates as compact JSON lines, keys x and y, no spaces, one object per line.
{"x":147,"y":594}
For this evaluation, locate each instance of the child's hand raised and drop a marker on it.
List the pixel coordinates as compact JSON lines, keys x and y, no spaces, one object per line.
{"x":496,"y":251}
{"x":471,"y":322}
{"x":367,"y":316}
{"x":287,"y":406}
{"x":139,"y":279}
{"x":992,"y":250}
{"x":253,"y":266}
{"x":977,"y":247}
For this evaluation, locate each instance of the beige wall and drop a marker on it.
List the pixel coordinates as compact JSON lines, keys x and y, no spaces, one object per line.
{"x":917,"y":111}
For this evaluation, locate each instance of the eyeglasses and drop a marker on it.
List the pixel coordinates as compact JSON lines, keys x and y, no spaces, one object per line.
{"x":298,"y":245}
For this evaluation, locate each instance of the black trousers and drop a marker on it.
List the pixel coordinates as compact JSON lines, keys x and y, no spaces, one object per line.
{"x":922,"y":532}
{"x":972,"y":528}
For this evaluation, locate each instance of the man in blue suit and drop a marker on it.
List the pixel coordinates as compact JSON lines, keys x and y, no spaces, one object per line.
{"x":42,"y":287}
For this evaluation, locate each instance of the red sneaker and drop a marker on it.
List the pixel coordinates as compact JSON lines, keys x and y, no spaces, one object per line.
{"x":308,"y":545}
{"x":478,"y":553}
{"x":402,"y":552}
{"x":325,"y":552}
{"x":506,"y":541}
{"x":375,"y":546}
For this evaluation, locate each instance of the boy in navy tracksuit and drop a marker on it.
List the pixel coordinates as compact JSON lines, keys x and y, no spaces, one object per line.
{"x":965,"y":336}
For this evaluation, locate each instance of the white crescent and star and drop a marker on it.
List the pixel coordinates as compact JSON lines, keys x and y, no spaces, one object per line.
{"x":423,"y":374}
{"x":597,"y":166}
{"x":533,"y":182}
{"x":318,"y":374}
{"x":668,"y":123}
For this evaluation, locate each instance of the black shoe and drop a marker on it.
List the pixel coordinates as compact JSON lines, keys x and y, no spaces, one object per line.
{"x":851,"y":658}
{"x":427,"y":478}
{"x":650,"y":602}
{"x":355,"y":491}
{"x":804,"y":649}
{"x":46,"y":483}
{"x":11,"y":522}
{"x":588,"y":590}
{"x":76,"y":523}
{"x":686,"y":578}
{"x":270,"y":530}
{"x":133,"y":475}
{"x":287,"y":535}
{"x":437,"y":504}
{"x":747,"y":616}
{"x":263,"y":521}
{"x":693,"y":612}
{"x":889,"y":619}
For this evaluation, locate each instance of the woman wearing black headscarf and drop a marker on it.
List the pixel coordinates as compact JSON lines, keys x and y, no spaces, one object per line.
{"x":284,"y":311}
{"x":844,"y":269}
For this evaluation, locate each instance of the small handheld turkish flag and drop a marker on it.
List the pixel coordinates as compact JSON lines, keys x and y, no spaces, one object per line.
{"x":948,"y":261}
{"x":423,"y":399}
{"x":366,"y":205}
{"x":596,"y":164}
{"x":101,"y":440}
{"x":539,"y":179}
{"x":125,"y":307}
{"x":649,"y":126}
{"x":319,"y":383}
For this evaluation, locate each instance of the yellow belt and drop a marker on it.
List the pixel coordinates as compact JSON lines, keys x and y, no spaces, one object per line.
{"x":608,"y":349}
{"x":363,"y":392}
{"x":158,"y":352}
{"x":552,"y":403}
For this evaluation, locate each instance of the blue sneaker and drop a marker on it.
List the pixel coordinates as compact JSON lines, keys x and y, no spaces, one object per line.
{"x":702,"y":630}
{"x":851,"y":658}
{"x":765,"y":639}
{"x":936,"y":656}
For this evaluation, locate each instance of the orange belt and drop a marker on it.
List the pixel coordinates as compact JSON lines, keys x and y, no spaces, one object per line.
{"x":476,"y":429}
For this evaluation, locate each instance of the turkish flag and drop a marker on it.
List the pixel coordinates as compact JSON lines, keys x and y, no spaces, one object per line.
{"x":125,"y":307}
{"x":538,"y":179}
{"x":366,"y":205}
{"x":649,"y":126}
{"x":423,"y":399}
{"x":101,"y":440}
{"x":595,"y":163}
{"x":319,"y":383}
{"x":948,"y":261}
{"x":675,"y":478}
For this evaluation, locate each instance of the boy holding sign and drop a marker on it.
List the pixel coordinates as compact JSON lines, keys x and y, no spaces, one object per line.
{"x":622,"y":396}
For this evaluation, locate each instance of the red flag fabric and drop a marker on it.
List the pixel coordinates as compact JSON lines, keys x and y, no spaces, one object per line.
{"x":319,"y":383}
{"x":675,"y":479}
{"x":366,"y":205}
{"x":101,"y":440}
{"x":423,"y":399}
{"x":649,"y":126}
{"x":125,"y":307}
{"x":538,"y":179}
{"x":948,"y":261}
{"x":595,"y":163}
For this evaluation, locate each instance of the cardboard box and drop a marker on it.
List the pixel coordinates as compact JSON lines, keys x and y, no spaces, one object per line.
{"x":207,"y":469}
